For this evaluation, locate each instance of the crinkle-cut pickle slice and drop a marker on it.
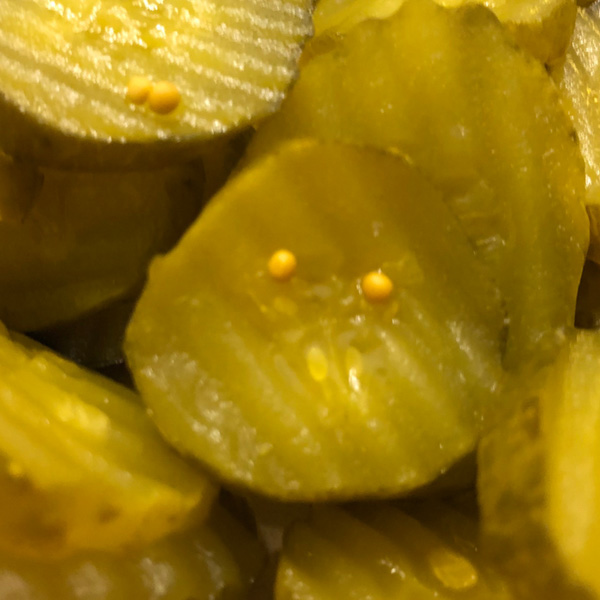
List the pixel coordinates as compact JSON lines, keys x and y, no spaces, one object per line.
{"x":87,"y":238}
{"x":579,"y":81}
{"x":539,"y":484}
{"x":542,"y":27}
{"x":305,"y":389}
{"x":381,"y":552}
{"x":65,"y":70}
{"x":217,"y":560}
{"x":448,"y":88}
{"x":81,"y":465}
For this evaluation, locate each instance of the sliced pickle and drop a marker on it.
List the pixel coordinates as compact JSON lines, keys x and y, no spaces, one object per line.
{"x":88,"y":239}
{"x":306,"y":389}
{"x":215,"y":561}
{"x":19,"y":186}
{"x":543,"y":27}
{"x":579,"y":80}
{"x":65,"y":70}
{"x":540,"y":481}
{"x":448,"y":88}
{"x":380,"y":552}
{"x":81,"y":466}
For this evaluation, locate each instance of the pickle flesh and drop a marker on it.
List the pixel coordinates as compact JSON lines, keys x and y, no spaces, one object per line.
{"x":65,"y":69}
{"x":305,"y":390}
{"x":81,"y":465}
{"x":381,"y":552}
{"x":448,"y":89}
{"x":539,"y":480}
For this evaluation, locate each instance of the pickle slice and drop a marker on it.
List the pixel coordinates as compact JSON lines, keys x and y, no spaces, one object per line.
{"x":542,"y":27}
{"x":65,"y":70}
{"x":218,"y":560}
{"x":579,"y":80}
{"x":81,"y":466}
{"x":540,"y":480}
{"x":484,"y":122}
{"x":305,"y":389}
{"x":88,"y":239}
{"x":380,"y":552}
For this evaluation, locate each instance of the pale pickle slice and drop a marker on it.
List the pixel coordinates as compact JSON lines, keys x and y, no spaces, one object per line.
{"x":483,"y":120}
{"x":539,"y":481}
{"x":579,"y":80}
{"x":215,"y":561}
{"x":381,"y":552}
{"x":70,"y":92}
{"x":81,"y":465}
{"x":305,"y":388}
{"x":542,"y":27}
{"x":87,"y":239}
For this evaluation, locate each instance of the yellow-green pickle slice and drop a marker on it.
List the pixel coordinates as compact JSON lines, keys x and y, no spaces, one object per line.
{"x":539,"y":482}
{"x":87,"y":83}
{"x":448,"y":88}
{"x":81,"y":465}
{"x":322,"y":385}
{"x":543,"y":27}
{"x":381,"y":552}
{"x":579,"y":80}
{"x":85,"y":239}
{"x":215,"y":561}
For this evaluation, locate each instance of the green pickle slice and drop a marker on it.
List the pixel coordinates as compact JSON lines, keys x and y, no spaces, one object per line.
{"x":87,"y":238}
{"x":540,"y":479}
{"x":66,"y":69}
{"x":215,"y":561}
{"x":81,"y":466}
{"x":382,"y":552}
{"x":579,"y":81}
{"x":448,"y":88}
{"x":306,"y":389}
{"x":543,"y":27}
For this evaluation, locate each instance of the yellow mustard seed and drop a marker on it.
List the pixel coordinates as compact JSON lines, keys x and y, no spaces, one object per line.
{"x":377,"y":286}
{"x":138,"y":89}
{"x":282,"y":265}
{"x":164,"y":97}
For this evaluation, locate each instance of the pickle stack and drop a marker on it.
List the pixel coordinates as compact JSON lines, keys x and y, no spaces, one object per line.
{"x":336,"y":253}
